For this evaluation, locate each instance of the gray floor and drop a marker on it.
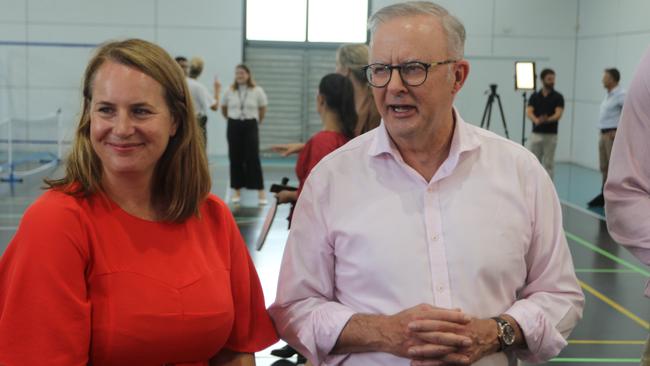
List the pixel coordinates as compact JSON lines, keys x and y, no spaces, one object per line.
{"x":616,"y":316}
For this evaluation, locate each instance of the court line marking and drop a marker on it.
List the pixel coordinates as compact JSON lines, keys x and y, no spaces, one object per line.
{"x":618,"y":307}
{"x":596,"y":360}
{"x":604,"y":270}
{"x":612,"y":342}
{"x":607,"y":254}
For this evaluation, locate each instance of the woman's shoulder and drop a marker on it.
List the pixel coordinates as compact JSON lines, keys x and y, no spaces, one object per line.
{"x":55,"y":207}
{"x":215,"y":206}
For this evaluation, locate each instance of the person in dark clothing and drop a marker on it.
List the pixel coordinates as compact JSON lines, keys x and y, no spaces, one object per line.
{"x":545,"y":108}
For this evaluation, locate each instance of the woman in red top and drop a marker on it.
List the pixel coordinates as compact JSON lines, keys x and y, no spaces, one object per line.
{"x":128,"y":259}
{"x":335,"y":105}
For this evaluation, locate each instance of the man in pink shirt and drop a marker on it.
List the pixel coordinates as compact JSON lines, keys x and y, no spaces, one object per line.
{"x":427,"y":240}
{"x":627,"y":190}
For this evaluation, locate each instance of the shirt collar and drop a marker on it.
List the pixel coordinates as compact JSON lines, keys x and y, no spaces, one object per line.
{"x":615,"y":90}
{"x":464,"y":139}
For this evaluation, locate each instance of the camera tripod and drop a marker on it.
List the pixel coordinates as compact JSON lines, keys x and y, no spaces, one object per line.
{"x":488,"y":110}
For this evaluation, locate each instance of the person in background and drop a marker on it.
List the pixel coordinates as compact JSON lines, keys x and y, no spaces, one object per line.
{"x":128,"y":259}
{"x":545,"y":108}
{"x":350,"y":59}
{"x":627,"y":189}
{"x":244,"y":105}
{"x":183,"y":63}
{"x":201,"y":97}
{"x":336,"y":108}
{"x":395,"y":256}
{"x":610,"y":113}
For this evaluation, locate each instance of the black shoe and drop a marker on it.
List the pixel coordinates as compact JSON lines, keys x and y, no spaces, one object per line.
{"x":598,"y":201}
{"x":284,"y":352}
{"x":301,"y":359}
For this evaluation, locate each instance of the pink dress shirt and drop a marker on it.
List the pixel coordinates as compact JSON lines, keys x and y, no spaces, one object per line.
{"x":627,"y":191}
{"x":371,"y":235}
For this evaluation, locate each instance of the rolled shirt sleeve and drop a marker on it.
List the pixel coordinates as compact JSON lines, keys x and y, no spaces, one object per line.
{"x":305,"y":312}
{"x":551,"y":302}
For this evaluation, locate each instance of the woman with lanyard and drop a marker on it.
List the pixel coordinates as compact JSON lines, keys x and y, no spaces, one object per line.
{"x":244,"y":105}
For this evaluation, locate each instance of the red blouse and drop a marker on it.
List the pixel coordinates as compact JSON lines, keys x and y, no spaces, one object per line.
{"x":83,"y":282}
{"x":316,"y":148}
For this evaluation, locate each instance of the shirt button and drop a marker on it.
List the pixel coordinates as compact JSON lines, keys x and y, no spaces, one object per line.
{"x":430,"y":189}
{"x":441,"y":288}
{"x":435,"y":237}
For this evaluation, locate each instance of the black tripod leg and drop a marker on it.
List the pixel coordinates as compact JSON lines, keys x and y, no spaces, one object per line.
{"x":489,"y":116}
{"x":485,"y":112}
{"x":503,"y":118}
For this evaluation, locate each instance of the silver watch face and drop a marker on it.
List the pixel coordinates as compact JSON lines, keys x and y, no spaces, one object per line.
{"x":508,"y":334}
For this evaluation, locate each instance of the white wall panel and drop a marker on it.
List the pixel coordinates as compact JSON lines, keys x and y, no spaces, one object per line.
{"x":12,"y":11}
{"x":585,"y":134}
{"x":549,"y":18}
{"x":629,"y":51}
{"x":478,"y":46}
{"x":86,"y":35}
{"x":92,"y":12}
{"x":594,"y":55}
{"x":633,"y":16}
{"x":201,"y":13}
{"x":42,"y":102}
{"x":13,"y":69}
{"x":598,"y":17}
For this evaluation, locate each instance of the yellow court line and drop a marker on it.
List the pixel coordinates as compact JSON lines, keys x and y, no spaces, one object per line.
{"x":584,"y":341}
{"x":615,"y":305}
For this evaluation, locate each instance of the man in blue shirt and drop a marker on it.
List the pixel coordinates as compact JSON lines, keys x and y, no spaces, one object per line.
{"x":610,"y":113}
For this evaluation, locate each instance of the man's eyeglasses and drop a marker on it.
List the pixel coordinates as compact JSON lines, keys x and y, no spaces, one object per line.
{"x":412,"y":73}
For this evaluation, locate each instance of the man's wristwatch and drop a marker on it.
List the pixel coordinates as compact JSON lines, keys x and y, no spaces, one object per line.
{"x":505,"y":334}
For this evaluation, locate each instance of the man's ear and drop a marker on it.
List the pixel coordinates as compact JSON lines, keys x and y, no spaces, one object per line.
{"x":461,"y":70}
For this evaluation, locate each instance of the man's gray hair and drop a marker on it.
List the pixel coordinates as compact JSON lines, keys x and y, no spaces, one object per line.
{"x":451,"y":25}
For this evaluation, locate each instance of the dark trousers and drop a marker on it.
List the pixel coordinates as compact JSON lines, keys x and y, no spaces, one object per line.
{"x":244,"y":154}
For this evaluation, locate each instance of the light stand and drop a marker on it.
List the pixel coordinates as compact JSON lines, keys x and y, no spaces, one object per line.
{"x":523,"y":123}
{"x":525,"y":80}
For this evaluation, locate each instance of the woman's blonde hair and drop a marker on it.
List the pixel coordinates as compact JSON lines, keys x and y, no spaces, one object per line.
{"x":250,"y":83}
{"x":181,"y":179}
{"x":196,"y":67}
{"x":354,"y":57}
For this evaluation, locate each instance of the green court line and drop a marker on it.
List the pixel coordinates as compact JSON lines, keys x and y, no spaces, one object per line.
{"x":607,"y":254}
{"x":596,"y":360}
{"x":603,"y":270}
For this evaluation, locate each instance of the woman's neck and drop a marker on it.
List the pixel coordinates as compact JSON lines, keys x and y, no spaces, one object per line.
{"x":331,"y":121}
{"x":132,"y":194}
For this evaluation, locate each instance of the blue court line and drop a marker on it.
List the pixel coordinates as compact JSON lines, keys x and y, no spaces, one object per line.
{"x":48,"y":44}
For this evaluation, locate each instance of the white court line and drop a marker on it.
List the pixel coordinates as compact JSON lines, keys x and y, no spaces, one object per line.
{"x":582,"y":209}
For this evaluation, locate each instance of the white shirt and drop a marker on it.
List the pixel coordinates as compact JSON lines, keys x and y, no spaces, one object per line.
{"x":201,"y":97}
{"x":371,"y":235}
{"x":245,"y":102}
{"x":610,"y":108}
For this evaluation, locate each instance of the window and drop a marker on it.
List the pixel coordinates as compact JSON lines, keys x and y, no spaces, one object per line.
{"x":327,"y":21}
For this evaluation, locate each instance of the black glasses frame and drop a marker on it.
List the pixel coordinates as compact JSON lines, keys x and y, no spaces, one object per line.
{"x":367,"y":70}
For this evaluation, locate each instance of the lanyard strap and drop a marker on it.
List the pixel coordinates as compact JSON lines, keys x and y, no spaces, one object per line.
{"x":242,"y":102}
